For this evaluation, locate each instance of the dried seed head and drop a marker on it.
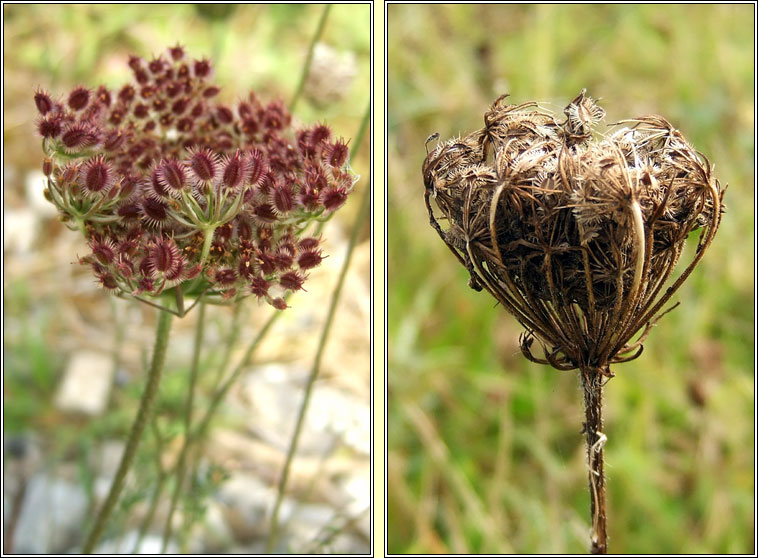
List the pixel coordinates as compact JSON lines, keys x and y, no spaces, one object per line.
{"x":202,"y":68}
{"x":279,"y":303}
{"x":103,"y":250}
{"x":572,"y":234}
{"x":176,"y":52}
{"x":337,"y":153}
{"x":154,"y":212}
{"x":259,"y":286}
{"x":47,"y":166}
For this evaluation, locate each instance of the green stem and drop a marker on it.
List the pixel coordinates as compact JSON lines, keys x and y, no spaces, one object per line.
{"x":182,"y":461}
{"x":162,"y":332}
{"x":362,"y":214}
{"x":219,"y":395}
{"x":361,"y":131}
{"x":309,"y":58}
{"x":231,"y":342}
{"x":208,"y":232}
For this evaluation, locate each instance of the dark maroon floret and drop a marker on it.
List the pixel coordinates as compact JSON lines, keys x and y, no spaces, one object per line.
{"x":333,"y":198}
{"x":176,"y":52}
{"x":204,"y":165}
{"x":202,"y":68}
{"x":49,"y":126}
{"x":234,"y":172}
{"x":279,"y":304}
{"x":171,"y":173}
{"x":224,"y":115}
{"x":283,"y":198}
{"x":292,"y":280}
{"x":309,"y":259}
{"x":154,"y":211}
{"x":260,"y":286}
{"x":164,"y":256}
{"x":43,"y":101}
{"x":79,"y":98}
{"x":97,"y":175}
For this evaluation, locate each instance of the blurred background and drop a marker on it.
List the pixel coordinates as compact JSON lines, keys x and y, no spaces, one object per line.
{"x":485,"y":450}
{"x":74,"y":356}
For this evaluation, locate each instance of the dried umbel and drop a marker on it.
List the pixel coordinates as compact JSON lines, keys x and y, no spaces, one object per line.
{"x":174,"y":189}
{"x":577,"y":237}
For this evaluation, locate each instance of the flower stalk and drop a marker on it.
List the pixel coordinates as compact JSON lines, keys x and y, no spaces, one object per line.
{"x":180,"y":470}
{"x":162,"y":331}
{"x":592,"y":384}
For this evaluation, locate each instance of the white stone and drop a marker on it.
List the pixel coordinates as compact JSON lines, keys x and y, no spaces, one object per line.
{"x":35,"y":186}
{"x":19,"y":229}
{"x":86,"y":383}
{"x":358,"y":488}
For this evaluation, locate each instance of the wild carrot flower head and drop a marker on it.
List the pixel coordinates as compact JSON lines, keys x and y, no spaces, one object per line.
{"x":174,"y":188}
{"x":575,"y":236}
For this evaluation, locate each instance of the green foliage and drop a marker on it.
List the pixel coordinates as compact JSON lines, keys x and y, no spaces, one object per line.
{"x":679,"y":474}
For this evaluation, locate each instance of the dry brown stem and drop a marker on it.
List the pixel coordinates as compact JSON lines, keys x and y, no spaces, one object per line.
{"x":592,"y":382}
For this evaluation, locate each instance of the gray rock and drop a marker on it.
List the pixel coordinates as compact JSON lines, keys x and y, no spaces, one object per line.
{"x":52,"y":515}
{"x":245,"y":502}
{"x":274,"y":394}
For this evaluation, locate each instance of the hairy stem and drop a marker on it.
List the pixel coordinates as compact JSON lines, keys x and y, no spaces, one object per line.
{"x":592,"y":383}
{"x":182,"y":461}
{"x":162,"y":331}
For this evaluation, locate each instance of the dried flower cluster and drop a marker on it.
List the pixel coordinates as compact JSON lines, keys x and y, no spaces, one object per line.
{"x":575,"y":236}
{"x":173,"y":188}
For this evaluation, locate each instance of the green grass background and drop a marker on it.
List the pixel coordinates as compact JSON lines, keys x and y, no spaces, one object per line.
{"x":485,"y":452}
